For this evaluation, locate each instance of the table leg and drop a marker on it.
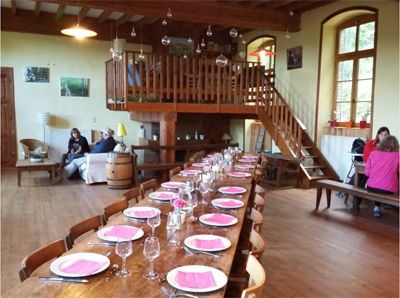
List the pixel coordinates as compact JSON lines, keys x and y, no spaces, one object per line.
{"x":328,"y":197}
{"x":53,"y":173}
{"x":319,"y":194}
{"x":19,"y":176}
{"x":356,"y":178}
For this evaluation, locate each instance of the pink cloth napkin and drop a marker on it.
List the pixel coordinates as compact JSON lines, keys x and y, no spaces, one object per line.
{"x":208,"y":243}
{"x":237,"y":174}
{"x":189,"y":172}
{"x":195,"y":280}
{"x":250,"y":157}
{"x":171,"y":185}
{"x":244,"y":166}
{"x":232,"y":189}
{"x":122,"y":232}
{"x":230,"y":203}
{"x":164,"y":195}
{"x":144,"y":214}
{"x":220,"y":219}
{"x":83,"y":267}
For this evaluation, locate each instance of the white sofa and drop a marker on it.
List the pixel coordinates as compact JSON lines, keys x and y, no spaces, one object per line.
{"x":94,"y":170}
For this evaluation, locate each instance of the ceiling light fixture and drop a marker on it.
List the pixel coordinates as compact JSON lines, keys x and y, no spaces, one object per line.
{"x":79,"y":32}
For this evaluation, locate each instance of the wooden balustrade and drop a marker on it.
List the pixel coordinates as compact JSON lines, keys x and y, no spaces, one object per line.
{"x":192,"y":80}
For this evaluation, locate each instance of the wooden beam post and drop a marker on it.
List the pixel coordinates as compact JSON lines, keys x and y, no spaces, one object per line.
{"x":167,"y":136}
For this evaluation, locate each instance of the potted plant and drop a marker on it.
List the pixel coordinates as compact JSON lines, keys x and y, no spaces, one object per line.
{"x":363,"y":122}
{"x":333,"y":123}
{"x":36,"y":157}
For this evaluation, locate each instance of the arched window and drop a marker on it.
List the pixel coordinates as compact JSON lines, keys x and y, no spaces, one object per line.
{"x":354,"y":73}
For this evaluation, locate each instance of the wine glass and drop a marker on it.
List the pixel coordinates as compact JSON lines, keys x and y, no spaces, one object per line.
{"x":123,"y":249}
{"x":193,"y":202}
{"x":173,"y":222}
{"x":151,"y":250}
{"x":196,"y":180}
{"x":203,"y":188}
{"x":154,"y":222}
{"x":189,"y":186}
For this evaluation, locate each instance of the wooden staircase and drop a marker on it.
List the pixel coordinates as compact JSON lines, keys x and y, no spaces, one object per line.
{"x":290,"y":135}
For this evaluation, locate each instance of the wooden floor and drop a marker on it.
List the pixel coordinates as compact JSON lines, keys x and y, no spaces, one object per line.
{"x":329,"y":254}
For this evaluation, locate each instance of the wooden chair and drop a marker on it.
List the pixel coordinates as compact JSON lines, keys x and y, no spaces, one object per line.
{"x":174,"y":172}
{"x":148,"y":186}
{"x":257,"y":219}
{"x":257,"y":278}
{"x":41,"y":256}
{"x":260,"y":190}
{"x":114,"y":208}
{"x":259,"y":203}
{"x":91,"y":223}
{"x":257,"y":244}
{"x":187,"y":164}
{"x":133,"y":194}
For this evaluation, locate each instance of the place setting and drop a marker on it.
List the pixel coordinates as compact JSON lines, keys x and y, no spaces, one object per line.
{"x":189,"y":172}
{"x":206,"y":244}
{"x":245,"y":167}
{"x":227,"y":203}
{"x":163,"y":196}
{"x":218,"y":219}
{"x":239,"y":175}
{"x":172,"y":185}
{"x":141,"y":213}
{"x":232,"y":190}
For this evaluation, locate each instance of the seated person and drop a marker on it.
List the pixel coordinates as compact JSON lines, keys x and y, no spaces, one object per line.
{"x":77,"y":147}
{"x":382,"y":170}
{"x":371,"y":145}
{"x":106,"y":144}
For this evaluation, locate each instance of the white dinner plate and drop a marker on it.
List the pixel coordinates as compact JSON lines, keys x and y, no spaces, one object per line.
{"x":189,"y":242}
{"x":204,"y":219}
{"x":163,"y":195}
{"x":199,"y":165}
{"x":244,"y":167}
{"x":250,"y":157}
{"x":248,"y":160}
{"x":57,"y":265}
{"x":130,"y":212}
{"x":232,"y":190}
{"x":172,"y":185}
{"x":239,"y":174}
{"x":189,"y":172}
{"x":101,"y":234}
{"x":220,"y":278}
{"x":218,"y":203}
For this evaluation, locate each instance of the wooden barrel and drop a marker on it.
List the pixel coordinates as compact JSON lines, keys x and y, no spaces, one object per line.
{"x":119,"y":170}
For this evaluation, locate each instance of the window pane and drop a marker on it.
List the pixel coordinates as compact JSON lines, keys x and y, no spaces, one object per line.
{"x":347,"y":41}
{"x":366,"y":36}
{"x":344,"y":91}
{"x":363,"y":110}
{"x":343,"y":111}
{"x":365,"y":68}
{"x":364,"y":90}
{"x":345,"y":70}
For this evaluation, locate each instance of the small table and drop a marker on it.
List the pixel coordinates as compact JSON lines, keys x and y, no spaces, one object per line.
{"x":26,"y":165}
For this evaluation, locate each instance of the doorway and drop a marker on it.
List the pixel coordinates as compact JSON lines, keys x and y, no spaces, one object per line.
{"x":8,"y":127}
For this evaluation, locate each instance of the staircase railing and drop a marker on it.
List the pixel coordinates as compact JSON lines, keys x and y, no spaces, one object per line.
{"x":169,"y":79}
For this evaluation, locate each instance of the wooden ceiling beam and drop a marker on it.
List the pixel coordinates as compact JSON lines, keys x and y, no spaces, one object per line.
{"x":60,"y":11}
{"x":313,"y":5}
{"x":104,"y":16}
{"x":27,"y":22}
{"x":142,"y":22}
{"x":278,"y":4}
{"x":255,"y":4}
{"x":14,"y":6}
{"x":37,"y":8}
{"x":209,"y":12}
{"x":124,"y":18}
{"x":83,"y":12}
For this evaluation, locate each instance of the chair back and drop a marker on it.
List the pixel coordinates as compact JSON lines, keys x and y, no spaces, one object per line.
{"x":147,"y":187}
{"x":133,"y":194}
{"x":41,"y":256}
{"x":257,"y":244}
{"x":114,"y":208}
{"x":187,"y":164}
{"x":29,"y":145}
{"x":174,"y":172}
{"x":257,"y":219}
{"x":259,"y":203}
{"x":91,"y":223}
{"x":256,"y":280}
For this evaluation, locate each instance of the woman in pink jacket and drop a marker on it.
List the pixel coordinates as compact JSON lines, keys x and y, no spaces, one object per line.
{"x":382,"y":170}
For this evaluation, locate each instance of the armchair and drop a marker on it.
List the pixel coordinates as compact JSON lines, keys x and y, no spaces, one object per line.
{"x":30,"y":145}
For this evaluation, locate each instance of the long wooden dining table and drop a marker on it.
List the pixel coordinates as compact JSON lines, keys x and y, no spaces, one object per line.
{"x":106,"y":284}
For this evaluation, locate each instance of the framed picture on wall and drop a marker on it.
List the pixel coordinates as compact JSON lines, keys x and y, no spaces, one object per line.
{"x":180,"y":47}
{"x":78,"y":87}
{"x":294,"y":57}
{"x":36,"y":74}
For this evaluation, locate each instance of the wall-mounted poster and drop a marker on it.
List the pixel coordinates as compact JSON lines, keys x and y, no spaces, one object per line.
{"x":74,"y":87}
{"x":36,"y":74}
{"x":294,"y":57}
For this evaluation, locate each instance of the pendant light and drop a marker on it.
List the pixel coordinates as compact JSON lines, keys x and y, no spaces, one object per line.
{"x":79,"y":32}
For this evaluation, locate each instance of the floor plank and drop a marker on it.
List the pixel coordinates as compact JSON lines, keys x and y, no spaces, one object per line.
{"x":331,"y":253}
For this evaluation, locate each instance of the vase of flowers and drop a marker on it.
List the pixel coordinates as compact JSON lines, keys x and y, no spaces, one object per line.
{"x":332,"y":123}
{"x":179,"y":204}
{"x":363,"y":122}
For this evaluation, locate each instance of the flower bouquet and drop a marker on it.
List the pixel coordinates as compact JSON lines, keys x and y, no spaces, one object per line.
{"x":178,"y":205}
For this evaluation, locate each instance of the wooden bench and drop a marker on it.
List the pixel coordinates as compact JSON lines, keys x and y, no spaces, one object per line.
{"x":330,"y":185}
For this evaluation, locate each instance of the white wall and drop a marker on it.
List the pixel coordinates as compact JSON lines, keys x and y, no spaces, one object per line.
{"x":299,"y":86}
{"x":65,"y":57}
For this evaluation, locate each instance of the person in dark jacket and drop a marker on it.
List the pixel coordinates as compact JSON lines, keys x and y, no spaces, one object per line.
{"x":77,"y":147}
{"x":106,"y":144}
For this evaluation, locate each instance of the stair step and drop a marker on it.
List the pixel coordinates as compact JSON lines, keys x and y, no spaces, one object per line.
{"x":310,"y":156}
{"x":306,"y":147}
{"x":314,"y":167}
{"x":313,"y":178}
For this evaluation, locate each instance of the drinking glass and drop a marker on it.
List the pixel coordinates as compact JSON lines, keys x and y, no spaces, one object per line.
{"x":123,"y":249}
{"x":154,"y":222}
{"x":189,"y":186}
{"x":173,"y":222}
{"x":203,"y":188}
{"x":151,"y":250}
{"x":196,"y":180}
{"x":193,"y":202}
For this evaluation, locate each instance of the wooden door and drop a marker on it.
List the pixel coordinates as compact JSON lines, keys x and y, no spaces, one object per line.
{"x":8,"y":127}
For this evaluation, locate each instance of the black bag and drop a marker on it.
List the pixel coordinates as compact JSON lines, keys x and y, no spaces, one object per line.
{"x":358,"y":147}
